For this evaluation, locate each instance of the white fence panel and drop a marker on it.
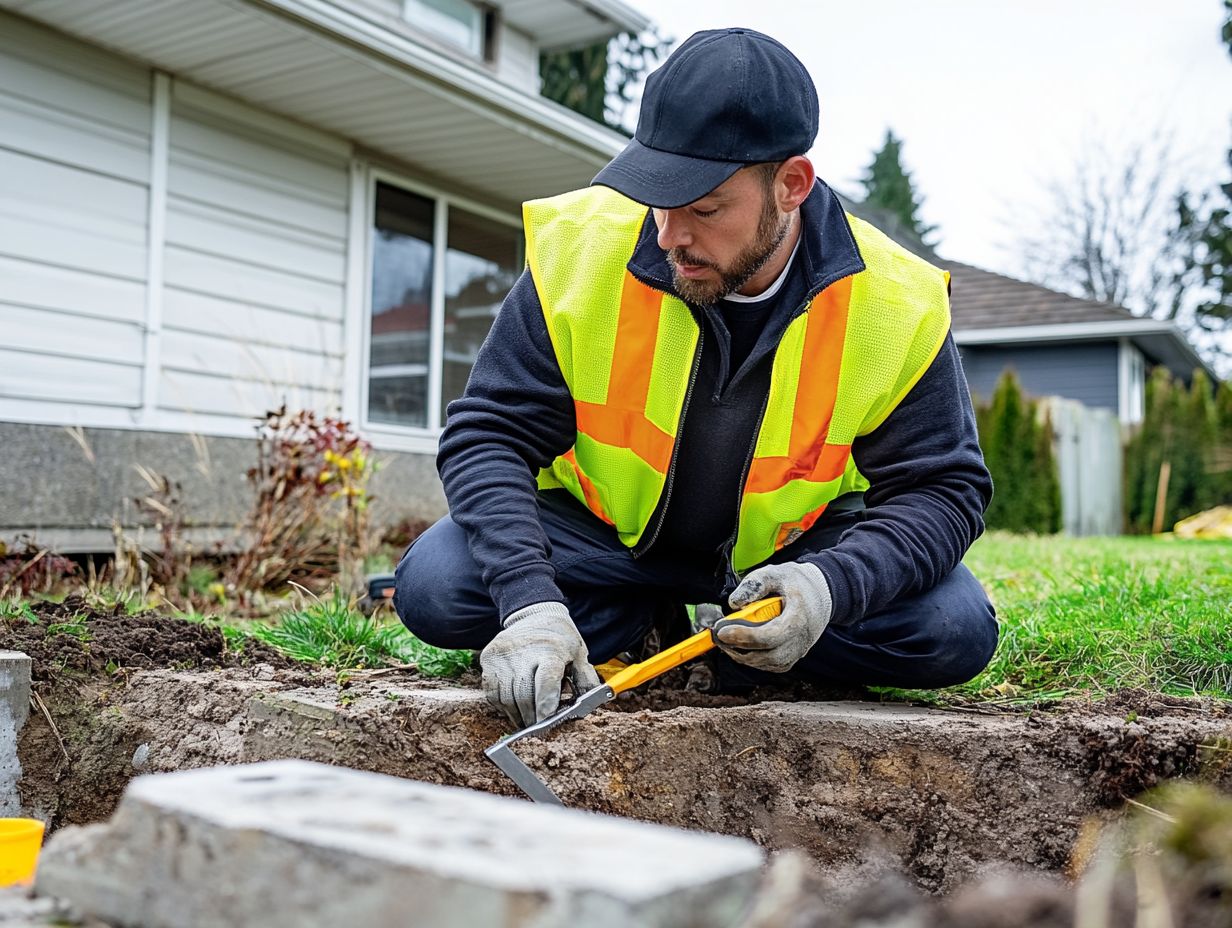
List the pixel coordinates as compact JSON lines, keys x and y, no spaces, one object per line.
{"x":1087,"y":444}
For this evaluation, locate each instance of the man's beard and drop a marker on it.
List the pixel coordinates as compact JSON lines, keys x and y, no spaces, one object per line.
{"x":772,"y":228}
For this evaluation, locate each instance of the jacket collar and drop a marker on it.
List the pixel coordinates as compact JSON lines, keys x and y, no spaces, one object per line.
{"x":827,"y":252}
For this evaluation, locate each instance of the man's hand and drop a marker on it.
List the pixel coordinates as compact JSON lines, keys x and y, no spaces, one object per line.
{"x":779,"y":643}
{"x":524,"y":665}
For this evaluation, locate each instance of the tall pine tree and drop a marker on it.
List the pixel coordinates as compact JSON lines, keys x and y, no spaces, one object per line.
{"x":888,"y":185}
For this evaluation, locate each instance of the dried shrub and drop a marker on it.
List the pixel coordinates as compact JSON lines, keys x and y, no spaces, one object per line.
{"x":309,"y":519}
{"x":400,"y":534}
{"x":32,"y":568}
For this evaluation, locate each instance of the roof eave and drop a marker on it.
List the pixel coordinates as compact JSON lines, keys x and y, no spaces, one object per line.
{"x":1156,"y":337}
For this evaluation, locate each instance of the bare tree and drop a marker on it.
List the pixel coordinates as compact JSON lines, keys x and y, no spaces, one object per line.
{"x":1115,"y":230}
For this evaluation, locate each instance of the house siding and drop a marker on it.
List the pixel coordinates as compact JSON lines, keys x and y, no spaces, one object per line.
{"x":254,"y":265}
{"x":1086,"y":372}
{"x":74,"y":200}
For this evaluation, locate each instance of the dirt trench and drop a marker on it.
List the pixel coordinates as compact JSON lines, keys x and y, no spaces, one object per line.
{"x":860,"y":787}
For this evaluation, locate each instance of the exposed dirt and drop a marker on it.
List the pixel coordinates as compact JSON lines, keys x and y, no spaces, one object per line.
{"x":74,"y":637}
{"x":861,"y":788}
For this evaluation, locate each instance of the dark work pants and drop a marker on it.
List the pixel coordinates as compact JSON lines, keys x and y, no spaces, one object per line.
{"x":938,"y":638}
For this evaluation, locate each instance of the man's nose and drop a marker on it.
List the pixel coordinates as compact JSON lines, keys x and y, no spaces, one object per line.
{"x":673,"y":230}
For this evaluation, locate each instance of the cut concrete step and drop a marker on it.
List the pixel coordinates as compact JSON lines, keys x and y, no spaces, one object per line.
{"x":941,"y":795}
{"x":300,"y":844}
{"x":14,"y":709}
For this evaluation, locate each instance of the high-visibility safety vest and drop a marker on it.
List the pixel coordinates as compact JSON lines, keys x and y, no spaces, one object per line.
{"x":628,"y":355}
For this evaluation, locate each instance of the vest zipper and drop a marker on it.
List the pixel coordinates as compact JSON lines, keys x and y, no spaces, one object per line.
{"x":644,"y":545}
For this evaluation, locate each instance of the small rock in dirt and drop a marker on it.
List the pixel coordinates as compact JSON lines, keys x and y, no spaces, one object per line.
{"x":141,"y":756}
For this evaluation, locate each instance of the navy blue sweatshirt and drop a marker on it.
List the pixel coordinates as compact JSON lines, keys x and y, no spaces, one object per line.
{"x":929,"y":486}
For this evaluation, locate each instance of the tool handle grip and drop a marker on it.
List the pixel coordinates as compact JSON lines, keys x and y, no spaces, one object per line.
{"x":636,"y":674}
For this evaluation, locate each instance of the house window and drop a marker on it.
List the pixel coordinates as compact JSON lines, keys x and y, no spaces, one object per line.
{"x":460,"y":23}
{"x":402,"y":252}
{"x":440,"y":272}
{"x":481,"y":264}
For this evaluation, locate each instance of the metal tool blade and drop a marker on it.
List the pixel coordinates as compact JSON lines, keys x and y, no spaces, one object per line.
{"x":502,"y":754}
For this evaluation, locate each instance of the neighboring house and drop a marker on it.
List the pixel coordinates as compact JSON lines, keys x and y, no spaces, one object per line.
{"x":1059,"y":345}
{"x":208,"y":207}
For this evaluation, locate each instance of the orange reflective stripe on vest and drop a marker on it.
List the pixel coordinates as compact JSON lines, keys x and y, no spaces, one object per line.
{"x":622,"y":421}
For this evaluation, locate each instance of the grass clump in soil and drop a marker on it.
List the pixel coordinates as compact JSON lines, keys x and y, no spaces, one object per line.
{"x":1090,"y":616}
{"x":333,"y":633}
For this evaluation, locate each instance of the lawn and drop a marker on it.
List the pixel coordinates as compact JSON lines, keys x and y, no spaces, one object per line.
{"x":1096,"y":615}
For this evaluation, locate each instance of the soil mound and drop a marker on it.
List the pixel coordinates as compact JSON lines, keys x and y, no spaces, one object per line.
{"x":74,"y":636}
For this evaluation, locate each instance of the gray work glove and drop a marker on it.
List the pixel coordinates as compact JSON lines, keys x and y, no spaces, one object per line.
{"x":777,"y":645}
{"x":525,"y":664}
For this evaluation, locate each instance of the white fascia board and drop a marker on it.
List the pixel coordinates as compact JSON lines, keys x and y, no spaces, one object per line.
{"x":529,"y":113}
{"x":623,"y":15}
{"x":1065,"y":331}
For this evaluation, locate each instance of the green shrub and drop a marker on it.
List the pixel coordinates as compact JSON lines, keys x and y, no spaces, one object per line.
{"x":1017,"y":445}
{"x":1189,"y":429}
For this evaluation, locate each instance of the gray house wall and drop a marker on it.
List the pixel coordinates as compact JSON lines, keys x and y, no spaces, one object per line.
{"x":1086,"y":372}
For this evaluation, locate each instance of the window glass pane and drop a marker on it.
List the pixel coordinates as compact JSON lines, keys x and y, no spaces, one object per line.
{"x":456,"y":21}
{"x":401,"y":308}
{"x":483,"y":261}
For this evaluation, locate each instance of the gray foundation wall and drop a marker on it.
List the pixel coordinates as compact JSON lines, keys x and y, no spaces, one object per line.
{"x":66,"y":493}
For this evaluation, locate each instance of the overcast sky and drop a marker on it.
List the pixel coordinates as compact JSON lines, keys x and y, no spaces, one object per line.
{"x":992,"y":98}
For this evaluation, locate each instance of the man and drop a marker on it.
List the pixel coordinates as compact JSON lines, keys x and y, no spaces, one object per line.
{"x":710,"y":386}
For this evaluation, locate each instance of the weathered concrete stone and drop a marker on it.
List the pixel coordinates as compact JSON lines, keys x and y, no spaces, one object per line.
{"x":14,"y":709}
{"x":299,"y":844}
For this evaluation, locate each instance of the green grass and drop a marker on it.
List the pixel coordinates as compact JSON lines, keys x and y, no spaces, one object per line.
{"x":332,"y":633}
{"x":1094,"y":615}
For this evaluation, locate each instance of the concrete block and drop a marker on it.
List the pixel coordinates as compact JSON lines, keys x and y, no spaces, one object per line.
{"x":14,"y":709}
{"x":295,"y":843}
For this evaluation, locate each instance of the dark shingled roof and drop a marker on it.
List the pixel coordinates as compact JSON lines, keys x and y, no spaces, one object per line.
{"x":983,"y":300}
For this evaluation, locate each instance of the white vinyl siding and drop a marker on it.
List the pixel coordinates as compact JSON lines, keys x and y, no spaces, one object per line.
{"x":74,"y":200}
{"x":254,"y":263}
{"x":517,"y":59}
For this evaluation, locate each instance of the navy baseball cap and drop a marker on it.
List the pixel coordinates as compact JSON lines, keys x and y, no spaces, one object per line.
{"x":724,"y":99}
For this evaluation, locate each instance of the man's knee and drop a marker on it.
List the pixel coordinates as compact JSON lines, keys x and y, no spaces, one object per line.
{"x":435,"y":594}
{"x":958,"y":630}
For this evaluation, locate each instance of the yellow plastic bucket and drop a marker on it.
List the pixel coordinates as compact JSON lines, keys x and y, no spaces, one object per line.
{"x":20,"y":840}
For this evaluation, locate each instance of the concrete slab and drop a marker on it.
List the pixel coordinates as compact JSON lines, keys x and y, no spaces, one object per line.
{"x":14,"y":709}
{"x":296,"y":843}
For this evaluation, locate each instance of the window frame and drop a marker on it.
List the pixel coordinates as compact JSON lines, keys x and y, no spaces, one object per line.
{"x":385,"y":435}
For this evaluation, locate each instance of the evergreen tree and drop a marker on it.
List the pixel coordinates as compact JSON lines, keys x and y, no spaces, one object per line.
{"x":1191,"y":430}
{"x":599,"y":80}
{"x":888,"y":185}
{"x":1018,"y":452}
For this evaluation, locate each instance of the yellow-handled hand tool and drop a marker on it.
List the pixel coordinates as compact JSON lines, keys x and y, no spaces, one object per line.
{"x":634,"y":675}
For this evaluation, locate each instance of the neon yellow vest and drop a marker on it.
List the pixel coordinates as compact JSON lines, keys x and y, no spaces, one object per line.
{"x":626,"y":352}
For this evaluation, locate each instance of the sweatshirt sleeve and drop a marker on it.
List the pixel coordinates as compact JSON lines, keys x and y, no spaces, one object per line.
{"x":515,"y":416}
{"x":925,"y":506}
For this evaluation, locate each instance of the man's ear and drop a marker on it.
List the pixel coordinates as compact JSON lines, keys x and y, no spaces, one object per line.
{"x":794,"y":182}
